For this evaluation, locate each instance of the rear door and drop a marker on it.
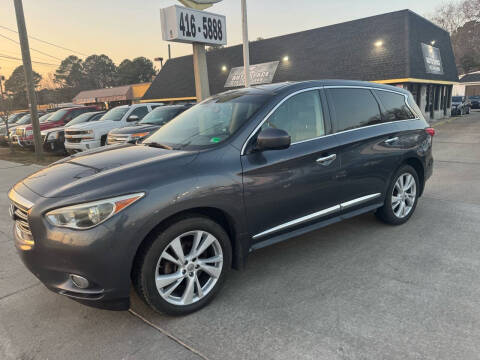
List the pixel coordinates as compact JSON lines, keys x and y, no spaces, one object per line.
{"x":289,"y":188}
{"x":370,"y":144}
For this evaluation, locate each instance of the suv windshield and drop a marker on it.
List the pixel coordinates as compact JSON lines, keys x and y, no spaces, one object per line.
{"x":23,"y":120}
{"x":44,"y":118}
{"x":160,"y":115}
{"x":210,"y":122}
{"x":80,"y":119}
{"x":115,"y":114}
{"x":57,"y":115}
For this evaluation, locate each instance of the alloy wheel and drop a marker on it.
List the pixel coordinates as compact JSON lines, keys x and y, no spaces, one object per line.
{"x":404,"y":195}
{"x":189,"y":267}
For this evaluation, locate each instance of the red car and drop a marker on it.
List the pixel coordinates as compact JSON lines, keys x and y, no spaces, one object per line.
{"x":58,"y":118}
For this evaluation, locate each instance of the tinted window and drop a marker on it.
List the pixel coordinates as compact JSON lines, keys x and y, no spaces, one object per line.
{"x":161,"y":115}
{"x":300,"y":116}
{"x":115,"y":114}
{"x":140,"y":112}
{"x":354,"y":108}
{"x":394,"y":105}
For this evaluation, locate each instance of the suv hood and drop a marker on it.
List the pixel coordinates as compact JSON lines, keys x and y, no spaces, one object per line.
{"x":136,"y":129}
{"x":94,"y":125}
{"x":107,"y":169}
{"x":60,"y":128}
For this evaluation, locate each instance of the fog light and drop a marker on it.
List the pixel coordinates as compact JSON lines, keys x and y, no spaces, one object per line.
{"x":79,"y":281}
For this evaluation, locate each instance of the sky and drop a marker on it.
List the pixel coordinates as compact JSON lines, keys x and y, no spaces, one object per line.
{"x":128,"y":29}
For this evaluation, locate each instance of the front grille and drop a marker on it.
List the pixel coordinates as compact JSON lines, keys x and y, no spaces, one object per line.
{"x":24,"y":238}
{"x":117,"y":139}
{"x":75,"y":132}
{"x":73,"y":140}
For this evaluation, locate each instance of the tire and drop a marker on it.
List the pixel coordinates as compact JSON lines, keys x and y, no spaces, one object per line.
{"x":155,"y":261}
{"x":391,"y":213}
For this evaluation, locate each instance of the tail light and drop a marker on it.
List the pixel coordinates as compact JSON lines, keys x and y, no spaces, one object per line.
{"x":430,"y":131}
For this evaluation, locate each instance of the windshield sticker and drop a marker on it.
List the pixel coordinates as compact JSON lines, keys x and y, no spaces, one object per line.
{"x":215,"y":140}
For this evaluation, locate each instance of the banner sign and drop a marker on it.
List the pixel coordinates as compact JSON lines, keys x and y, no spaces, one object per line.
{"x":186,"y":25}
{"x":433,"y":60}
{"x":259,"y":74}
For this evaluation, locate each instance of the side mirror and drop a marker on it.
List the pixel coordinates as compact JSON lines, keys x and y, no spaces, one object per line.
{"x":133,"y":118}
{"x":272,"y":139}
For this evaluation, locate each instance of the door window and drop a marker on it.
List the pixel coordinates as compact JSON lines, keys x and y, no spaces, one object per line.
{"x":394,"y":105}
{"x":140,"y":112}
{"x":300,"y":116}
{"x":354,"y":108}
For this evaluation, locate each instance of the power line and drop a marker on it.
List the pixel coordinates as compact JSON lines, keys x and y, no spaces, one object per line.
{"x":46,"y":42}
{"x":41,"y":52}
{"x":15,"y":58}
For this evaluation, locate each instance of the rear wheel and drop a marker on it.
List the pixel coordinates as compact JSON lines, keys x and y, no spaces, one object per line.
{"x":402,"y":196}
{"x":185,"y":265}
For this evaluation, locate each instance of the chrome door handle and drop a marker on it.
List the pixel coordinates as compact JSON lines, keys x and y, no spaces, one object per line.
{"x":392,"y":140}
{"x":327,"y":160}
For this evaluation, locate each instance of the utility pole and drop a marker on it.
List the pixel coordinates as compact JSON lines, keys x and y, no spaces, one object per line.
{"x":202,"y":88}
{"x":246,"y":52}
{"x":27,"y":67}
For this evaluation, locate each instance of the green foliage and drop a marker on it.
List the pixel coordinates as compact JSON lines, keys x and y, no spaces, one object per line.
{"x":70,"y":73}
{"x":137,"y":71}
{"x":16,"y":85}
{"x":100,"y":71}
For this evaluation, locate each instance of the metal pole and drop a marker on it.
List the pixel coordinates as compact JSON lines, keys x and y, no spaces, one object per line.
{"x":169,"y":52}
{"x":246,"y":53}
{"x":27,"y":67}
{"x":200,"y":71}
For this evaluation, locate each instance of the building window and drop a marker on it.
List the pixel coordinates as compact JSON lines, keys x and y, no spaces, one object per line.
{"x":437,"y":97}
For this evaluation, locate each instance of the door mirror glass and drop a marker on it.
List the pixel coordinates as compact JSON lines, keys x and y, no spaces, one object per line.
{"x":272,"y":139}
{"x":132,"y":118}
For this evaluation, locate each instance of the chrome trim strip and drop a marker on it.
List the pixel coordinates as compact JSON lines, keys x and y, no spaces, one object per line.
{"x":20,"y":200}
{"x":242,"y":152}
{"x":318,"y":214}
{"x":300,"y":220}
{"x":359,"y":200}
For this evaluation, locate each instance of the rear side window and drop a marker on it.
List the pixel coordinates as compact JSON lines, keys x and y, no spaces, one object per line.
{"x":354,"y":108}
{"x":140,"y":112}
{"x":394,"y":105}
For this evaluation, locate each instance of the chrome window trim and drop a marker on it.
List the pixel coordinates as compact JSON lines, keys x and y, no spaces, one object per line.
{"x":242,"y":152}
{"x":318,"y":214}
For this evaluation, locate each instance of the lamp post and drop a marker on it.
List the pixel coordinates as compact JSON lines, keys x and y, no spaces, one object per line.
{"x":246,"y":52}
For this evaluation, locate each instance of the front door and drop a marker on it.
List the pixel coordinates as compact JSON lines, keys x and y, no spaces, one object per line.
{"x":285,"y":189}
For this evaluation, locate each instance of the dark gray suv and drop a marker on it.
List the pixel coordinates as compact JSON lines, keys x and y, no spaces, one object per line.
{"x":239,"y":171}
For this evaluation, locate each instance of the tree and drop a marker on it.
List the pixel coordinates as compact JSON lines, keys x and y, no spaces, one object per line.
{"x":17,"y":86}
{"x":131,"y":72}
{"x":100,"y":71}
{"x":462,"y":20}
{"x":70,"y":73}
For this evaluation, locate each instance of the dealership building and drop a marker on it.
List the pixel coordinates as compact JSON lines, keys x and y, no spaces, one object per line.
{"x":399,"y":48}
{"x":108,"y":98}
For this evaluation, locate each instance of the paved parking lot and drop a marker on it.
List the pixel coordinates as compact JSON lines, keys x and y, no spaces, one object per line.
{"x":354,"y":290}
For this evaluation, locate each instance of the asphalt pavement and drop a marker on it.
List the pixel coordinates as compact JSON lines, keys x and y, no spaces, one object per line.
{"x":355,"y":290}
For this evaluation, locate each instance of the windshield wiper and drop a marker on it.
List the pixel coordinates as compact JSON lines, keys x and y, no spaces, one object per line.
{"x":158,"y":145}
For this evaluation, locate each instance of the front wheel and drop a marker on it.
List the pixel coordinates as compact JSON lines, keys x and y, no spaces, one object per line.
{"x":402,"y":196}
{"x":185,"y":265}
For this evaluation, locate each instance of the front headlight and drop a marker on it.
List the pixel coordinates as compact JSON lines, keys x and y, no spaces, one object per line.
{"x":139,"y":135}
{"x":53,"y":135}
{"x":88,"y":215}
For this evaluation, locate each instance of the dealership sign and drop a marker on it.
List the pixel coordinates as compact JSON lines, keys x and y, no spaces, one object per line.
{"x":433,"y":60}
{"x":259,"y":74}
{"x":186,"y":25}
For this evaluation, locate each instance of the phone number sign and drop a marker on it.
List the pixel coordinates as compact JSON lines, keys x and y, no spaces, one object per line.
{"x":186,"y":25}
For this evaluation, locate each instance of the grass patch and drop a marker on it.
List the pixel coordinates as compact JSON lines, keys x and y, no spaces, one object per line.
{"x":27,"y":157}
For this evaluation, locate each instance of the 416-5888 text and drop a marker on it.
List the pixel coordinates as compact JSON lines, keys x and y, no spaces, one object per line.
{"x":211,"y":28}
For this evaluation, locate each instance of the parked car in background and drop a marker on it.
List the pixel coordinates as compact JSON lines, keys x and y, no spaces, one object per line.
{"x":12,"y":119}
{"x":237,"y":172}
{"x":460,"y":105}
{"x":56,"y":119}
{"x":153,"y":121}
{"x":81,"y":137}
{"x":475,"y":101}
{"x":54,"y":139}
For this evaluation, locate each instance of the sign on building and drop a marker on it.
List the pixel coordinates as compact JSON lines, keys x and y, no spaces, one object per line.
{"x":259,"y":74}
{"x":433,"y":59}
{"x":186,"y":25}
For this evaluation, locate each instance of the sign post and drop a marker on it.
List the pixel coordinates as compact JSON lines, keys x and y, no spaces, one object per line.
{"x":187,"y":25}
{"x":246,"y":51}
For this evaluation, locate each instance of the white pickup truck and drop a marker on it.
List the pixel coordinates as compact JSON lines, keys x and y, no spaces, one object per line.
{"x":91,"y":135}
